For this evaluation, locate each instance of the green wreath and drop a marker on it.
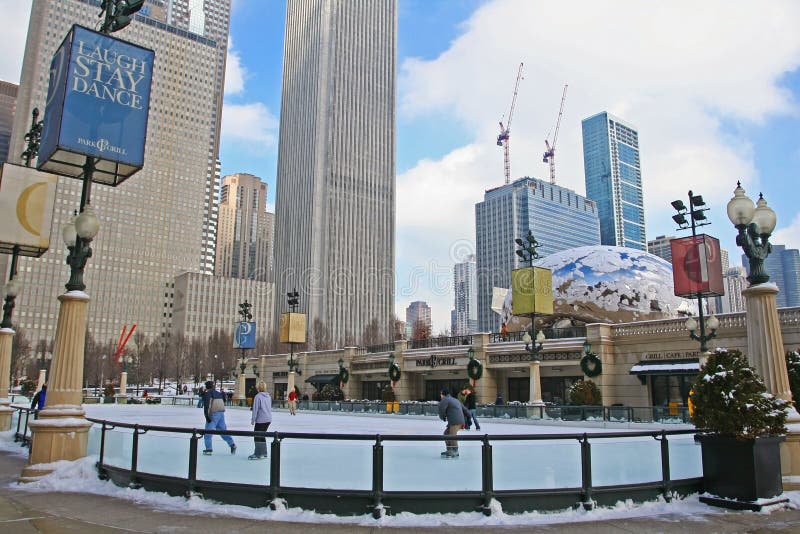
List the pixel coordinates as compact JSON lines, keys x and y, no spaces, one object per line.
{"x":344,"y":375}
{"x":394,"y":372}
{"x":591,"y":365}
{"x":474,"y":369}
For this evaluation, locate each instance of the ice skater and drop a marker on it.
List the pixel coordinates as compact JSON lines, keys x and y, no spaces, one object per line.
{"x":214,"y":410}
{"x":451,"y":411}
{"x":261,"y":419}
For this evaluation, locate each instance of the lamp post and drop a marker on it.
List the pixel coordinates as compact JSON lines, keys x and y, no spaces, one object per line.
{"x":696,"y":218}
{"x":755,"y":223}
{"x":534,"y":341}
{"x":527,"y":251}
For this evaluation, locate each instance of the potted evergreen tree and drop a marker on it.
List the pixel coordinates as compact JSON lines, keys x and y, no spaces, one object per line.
{"x":741,"y":426}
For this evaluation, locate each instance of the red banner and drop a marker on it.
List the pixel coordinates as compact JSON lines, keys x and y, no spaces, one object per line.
{"x":697,"y":266}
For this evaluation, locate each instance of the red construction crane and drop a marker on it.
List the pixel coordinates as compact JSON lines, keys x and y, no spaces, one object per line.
{"x":550,"y":153}
{"x":505,"y":131}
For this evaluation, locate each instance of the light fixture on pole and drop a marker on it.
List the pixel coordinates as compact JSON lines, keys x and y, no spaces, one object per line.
{"x":527,"y":251}
{"x":755,"y":224}
{"x":696,"y":218}
{"x":533,"y":348}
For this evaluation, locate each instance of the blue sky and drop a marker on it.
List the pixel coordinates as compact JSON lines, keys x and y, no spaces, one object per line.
{"x":714,"y":89}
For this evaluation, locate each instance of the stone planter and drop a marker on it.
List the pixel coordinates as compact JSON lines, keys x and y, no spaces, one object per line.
{"x":741,"y":474}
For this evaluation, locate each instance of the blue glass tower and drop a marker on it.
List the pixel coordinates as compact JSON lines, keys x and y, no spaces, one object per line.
{"x":783,"y":267}
{"x":614,"y":179}
{"x":559,"y":218}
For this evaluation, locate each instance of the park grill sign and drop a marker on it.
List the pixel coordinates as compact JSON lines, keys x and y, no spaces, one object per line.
{"x":97,"y":107}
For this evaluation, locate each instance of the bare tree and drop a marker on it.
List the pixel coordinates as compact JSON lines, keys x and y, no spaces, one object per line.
{"x":139,"y":342}
{"x":196,"y":359}
{"x":421,"y":330}
{"x":20,"y":353}
{"x":372,"y":334}
{"x":320,"y":336}
{"x":160,"y":354}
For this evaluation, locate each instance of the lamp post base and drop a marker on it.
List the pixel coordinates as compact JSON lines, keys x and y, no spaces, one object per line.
{"x":60,"y":433}
{"x":6,"y":340}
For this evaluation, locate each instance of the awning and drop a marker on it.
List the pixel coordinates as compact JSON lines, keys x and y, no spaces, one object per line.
{"x":666,"y":367}
{"x":323,"y":379}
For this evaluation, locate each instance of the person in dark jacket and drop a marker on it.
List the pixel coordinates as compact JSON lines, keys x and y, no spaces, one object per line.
{"x":38,"y":400}
{"x":214,"y":410}
{"x":472,"y":407}
{"x":451,"y":411}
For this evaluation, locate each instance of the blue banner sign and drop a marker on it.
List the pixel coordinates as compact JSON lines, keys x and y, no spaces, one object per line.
{"x":97,"y":107}
{"x":245,"y":336}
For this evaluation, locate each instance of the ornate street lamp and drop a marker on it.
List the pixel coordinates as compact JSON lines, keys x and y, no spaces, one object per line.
{"x":755,"y":224}
{"x":255,"y":371}
{"x":77,"y":236}
{"x":11,"y":290}
{"x":696,"y":218}
{"x":533,"y":348}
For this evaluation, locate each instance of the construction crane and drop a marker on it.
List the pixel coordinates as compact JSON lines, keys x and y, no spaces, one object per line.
{"x":505,"y":131}
{"x":550,"y":153}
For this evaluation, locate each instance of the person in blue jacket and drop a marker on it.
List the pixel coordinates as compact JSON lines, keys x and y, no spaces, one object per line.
{"x":214,"y":410}
{"x":38,"y":400}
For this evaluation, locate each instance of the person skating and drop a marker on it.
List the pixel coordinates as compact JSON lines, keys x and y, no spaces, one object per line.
{"x":293,"y":401}
{"x":214,"y":410}
{"x":452,"y":412}
{"x":472,"y":407}
{"x":260,"y":419}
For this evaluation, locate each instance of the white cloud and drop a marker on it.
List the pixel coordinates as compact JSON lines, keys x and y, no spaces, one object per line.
{"x":14,"y":32}
{"x":675,"y":70}
{"x":251,"y":126}
{"x":788,"y":235}
{"x":235,"y":72}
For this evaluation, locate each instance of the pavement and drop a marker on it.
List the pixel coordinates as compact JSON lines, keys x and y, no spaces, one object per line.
{"x":23,"y":512}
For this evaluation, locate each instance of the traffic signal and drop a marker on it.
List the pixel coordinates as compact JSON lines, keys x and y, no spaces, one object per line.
{"x":118,"y":14}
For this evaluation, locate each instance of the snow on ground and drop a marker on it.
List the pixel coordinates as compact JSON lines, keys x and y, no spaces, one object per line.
{"x":517,"y":464}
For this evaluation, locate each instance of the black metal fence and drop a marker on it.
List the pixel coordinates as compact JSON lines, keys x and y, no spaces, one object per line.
{"x":377,"y":500}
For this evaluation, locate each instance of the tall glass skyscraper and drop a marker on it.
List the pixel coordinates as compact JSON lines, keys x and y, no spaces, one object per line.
{"x":613,"y":175}
{"x":559,"y":219}
{"x":783,"y":267}
{"x":465,"y":292}
{"x":160,"y":222}
{"x":335,"y":196}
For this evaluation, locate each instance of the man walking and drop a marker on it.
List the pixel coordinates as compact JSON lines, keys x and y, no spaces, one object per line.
{"x":451,"y":411}
{"x":214,"y":410}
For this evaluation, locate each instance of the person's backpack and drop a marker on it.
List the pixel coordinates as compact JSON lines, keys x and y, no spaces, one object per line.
{"x":217,"y":405}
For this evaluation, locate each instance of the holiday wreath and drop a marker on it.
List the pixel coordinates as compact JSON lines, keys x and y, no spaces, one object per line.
{"x":591,"y":365}
{"x":474,"y":369}
{"x":394,"y":372}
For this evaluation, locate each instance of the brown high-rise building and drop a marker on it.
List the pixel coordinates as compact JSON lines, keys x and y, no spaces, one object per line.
{"x":160,"y":222}
{"x":8,"y":106}
{"x":244,"y":229}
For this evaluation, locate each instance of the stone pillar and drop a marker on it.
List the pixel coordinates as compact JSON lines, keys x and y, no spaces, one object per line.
{"x":122,"y":398}
{"x":348,"y":355}
{"x":764,"y":339}
{"x":240,"y":393}
{"x":536,"y":383}
{"x":6,"y":341}
{"x":62,"y":432}
{"x":290,"y":382}
{"x":485,"y":389}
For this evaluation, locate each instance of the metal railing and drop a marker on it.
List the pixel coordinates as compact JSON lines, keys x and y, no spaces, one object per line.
{"x":377,"y":499}
{"x":433,"y":342}
{"x":384,"y":347}
{"x":549,"y":333}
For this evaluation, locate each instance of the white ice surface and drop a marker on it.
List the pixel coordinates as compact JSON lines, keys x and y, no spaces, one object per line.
{"x":407,"y":465}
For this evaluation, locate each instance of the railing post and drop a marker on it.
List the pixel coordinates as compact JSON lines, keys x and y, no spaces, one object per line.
{"x":275,"y":471}
{"x":666,"y":477}
{"x":134,"y":458}
{"x":192,"y":476}
{"x":377,"y":478}
{"x":487,"y":476}
{"x":19,"y":420}
{"x":586,"y":474}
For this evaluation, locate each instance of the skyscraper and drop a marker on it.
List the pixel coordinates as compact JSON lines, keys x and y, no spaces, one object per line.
{"x":613,"y":176}
{"x":660,"y":247}
{"x":8,"y":105}
{"x":244,"y":230}
{"x":783,"y":268}
{"x":418,"y":316}
{"x":335,"y":201}
{"x":159,"y":222}
{"x":559,"y":219}
{"x":465,"y":292}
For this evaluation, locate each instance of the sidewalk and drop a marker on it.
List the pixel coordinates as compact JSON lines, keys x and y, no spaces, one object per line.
{"x":42,"y":512}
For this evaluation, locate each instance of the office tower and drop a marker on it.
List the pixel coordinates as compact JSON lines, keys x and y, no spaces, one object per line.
{"x":335,"y":201}
{"x":418,"y":317}
{"x":783,"y":268}
{"x":660,"y":247}
{"x":8,"y":105}
{"x":734,"y":279}
{"x":244,"y":230}
{"x":196,"y":294}
{"x":559,"y":219}
{"x":614,"y":179}
{"x":156,"y":224}
{"x":465,"y":292}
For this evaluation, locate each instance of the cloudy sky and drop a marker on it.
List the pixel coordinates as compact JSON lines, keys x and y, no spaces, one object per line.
{"x":713,"y":88}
